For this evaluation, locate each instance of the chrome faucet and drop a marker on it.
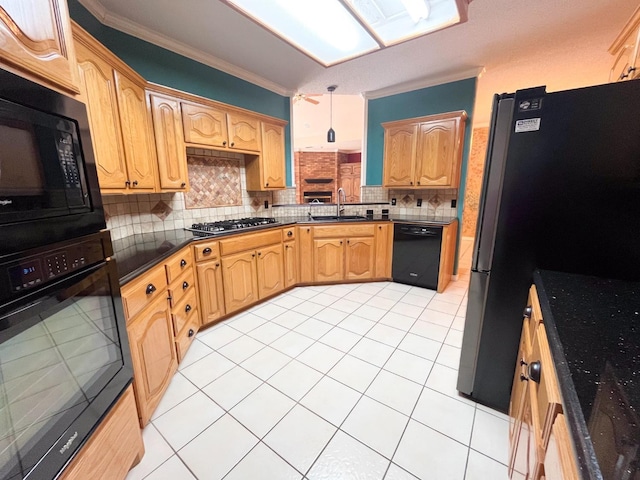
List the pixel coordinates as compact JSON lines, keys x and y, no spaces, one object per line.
{"x":344,"y":200}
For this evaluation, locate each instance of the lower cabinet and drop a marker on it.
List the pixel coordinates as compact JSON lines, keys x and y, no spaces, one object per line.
{"x":153,"y":353}
{"x":328,"y":259}
{"x":305,"y":245}
{"x":384,"y":250}
{"x":290,"y":263}
{"x":270,"y":269}
{"x":115,"y":446}
{"x":539,"y":444}
{"x":343,"y":253}
{"x":240,"y":280}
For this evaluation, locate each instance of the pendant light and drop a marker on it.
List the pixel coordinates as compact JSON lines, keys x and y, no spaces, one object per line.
{"x":331,"y":134}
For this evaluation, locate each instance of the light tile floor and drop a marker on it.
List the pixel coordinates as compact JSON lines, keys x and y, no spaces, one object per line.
{"x":326,"y":382}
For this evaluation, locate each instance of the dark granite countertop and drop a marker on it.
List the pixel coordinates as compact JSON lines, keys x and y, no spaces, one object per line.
{"x":592,"y":325}
{"x":137,"y":253}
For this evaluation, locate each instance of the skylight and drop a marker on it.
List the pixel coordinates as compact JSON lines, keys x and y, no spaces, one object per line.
{"x":332,"y":31}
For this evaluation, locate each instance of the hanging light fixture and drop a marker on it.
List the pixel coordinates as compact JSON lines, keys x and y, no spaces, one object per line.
{"x":331,"y":134}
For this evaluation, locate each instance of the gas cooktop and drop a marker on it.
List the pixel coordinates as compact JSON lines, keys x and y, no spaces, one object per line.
{"x":212,"y":228}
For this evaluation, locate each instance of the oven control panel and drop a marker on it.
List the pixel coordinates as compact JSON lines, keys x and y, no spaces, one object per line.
{"x":38,"y":269}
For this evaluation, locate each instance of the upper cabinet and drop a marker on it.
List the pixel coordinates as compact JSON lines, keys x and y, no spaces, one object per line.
{"x":424,"y":152}
{"x":120,"y":125}
{"x":204,"y":125}
{"x":626,"y":51}
{"x":267,"y":171}
{"x":244,"y":132}
{"x":35,"y":38}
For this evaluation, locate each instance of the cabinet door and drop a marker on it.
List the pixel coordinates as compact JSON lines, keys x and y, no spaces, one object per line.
{"x":270,"y":266}
{"x":204,"y":125}
{"x":306,"y":254}
{"x":239,"y":278}
{"x":153,"y":353}
{"x":328,"y":260}
{"x":136,"y":134}
{"x":96,"y":81}
{"x":399,"y":155}
{"x":435,"y":157}
{"x":210,"y":290}
{"x":523,"y":443}
{"x":244,"y":132}
{"x":359,"y":258}
{"x":35,"y":36}
{"x":273,"y":171}
{"x":172,"y":156}
{"x":384,"y":250}
{"x":290,"y":263}
{"x":559,"y":460}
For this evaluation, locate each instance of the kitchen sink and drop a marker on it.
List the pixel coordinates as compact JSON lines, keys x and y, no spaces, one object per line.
{"x":335,"y":218}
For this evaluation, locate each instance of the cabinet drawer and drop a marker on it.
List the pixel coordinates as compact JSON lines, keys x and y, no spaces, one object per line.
{"x":138,"y":294}
{"x":187,"y":335}
{"x":206,"y":250}
{"x":178,"y":264}
{"x":249,"y":241}
{"x":185,"y":312}
{"x":333,"y":231}
{"x":181,"y":287}
{"x":288,"y":233}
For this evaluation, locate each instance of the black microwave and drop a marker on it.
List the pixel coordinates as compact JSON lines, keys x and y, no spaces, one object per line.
{"x":48,"y":182}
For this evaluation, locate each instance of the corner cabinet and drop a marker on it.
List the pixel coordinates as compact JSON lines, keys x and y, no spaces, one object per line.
{"x":120,"y":126}
{"x":343,"y":252}
{"x":424,"y":152}
{"x":36,"y":39}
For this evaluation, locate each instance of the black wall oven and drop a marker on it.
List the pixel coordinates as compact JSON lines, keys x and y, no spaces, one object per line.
{"x":64,"y":354}
{"x":47,"y":169}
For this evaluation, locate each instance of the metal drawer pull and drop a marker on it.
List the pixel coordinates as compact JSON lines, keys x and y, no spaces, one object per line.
{"x":206,"y":251}
{"x":527,"y":312}
{"x":187,"y":309}
{"x":150,"y":289}
{"x":289,"y":233}
{"x":535,"y":371}
{"x":183,"y":263}
{"x":185,"y":285}
{"x":191,"y":332}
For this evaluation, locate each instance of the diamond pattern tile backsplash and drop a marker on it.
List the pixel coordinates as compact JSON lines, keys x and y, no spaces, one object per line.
{"x":214,"y":182}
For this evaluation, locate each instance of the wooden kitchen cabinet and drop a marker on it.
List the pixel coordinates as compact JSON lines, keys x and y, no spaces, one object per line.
{"x":626,"y":50}
{"x":349,"y":181}
{"x":343,"y":252}
{"x":384,"y":250}
{"x":267,"y":170}
{"x":153,"y":354}
{"x":559,"y":461}
{"x":535,"y":405}
{"x":120,"y":126}
{"x":252,"y":268}
{"x":209,"y":274}
{"x":204,"y":125}
{"x":290,"y":263}
{"x":306,"y":254}
{"x":169,"y":139}
{"x":36,"y":40}
{"x":244,"y":132}
{"x":424,"y":152}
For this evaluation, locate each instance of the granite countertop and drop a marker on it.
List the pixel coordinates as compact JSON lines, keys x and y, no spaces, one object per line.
{"x":592,"y":325}
{"x":137,"y":253}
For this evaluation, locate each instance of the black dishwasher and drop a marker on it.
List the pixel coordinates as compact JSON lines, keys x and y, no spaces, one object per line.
{"x":416,"y":254}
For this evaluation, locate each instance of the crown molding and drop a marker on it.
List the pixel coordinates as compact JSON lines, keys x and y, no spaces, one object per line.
{"x":424,"y":83}
{"x":136,"y":30}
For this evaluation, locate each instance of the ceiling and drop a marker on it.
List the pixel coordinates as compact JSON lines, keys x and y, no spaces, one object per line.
{"x":515,"y":43}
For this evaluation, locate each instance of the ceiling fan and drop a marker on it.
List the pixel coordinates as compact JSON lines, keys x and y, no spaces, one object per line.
{"x":302,"y":96}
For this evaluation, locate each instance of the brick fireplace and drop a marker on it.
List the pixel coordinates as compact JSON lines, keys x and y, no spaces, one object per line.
{"x":317,"y":174}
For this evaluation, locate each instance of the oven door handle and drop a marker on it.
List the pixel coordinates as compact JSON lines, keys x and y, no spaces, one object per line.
{"x":21,"y":309}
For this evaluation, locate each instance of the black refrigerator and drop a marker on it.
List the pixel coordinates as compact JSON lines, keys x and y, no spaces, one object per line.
{"x":561,"y":191}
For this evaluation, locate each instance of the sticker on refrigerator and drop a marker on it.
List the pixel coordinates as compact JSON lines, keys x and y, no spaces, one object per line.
{"x":530,"y":104}
{"x":527,"y":125}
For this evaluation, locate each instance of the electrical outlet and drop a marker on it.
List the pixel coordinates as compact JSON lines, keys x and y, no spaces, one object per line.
{"x":266,"y":204}
{"x":393,"y":201}
{"x":419,"y":202}
{"x":454,"y":202}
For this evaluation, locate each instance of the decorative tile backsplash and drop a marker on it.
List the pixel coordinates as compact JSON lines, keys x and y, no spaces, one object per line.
{"x":214,"y":181}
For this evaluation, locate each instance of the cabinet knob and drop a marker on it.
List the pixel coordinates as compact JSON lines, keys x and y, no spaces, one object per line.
{"x":191,"y":332}
{"x":224,"y":144}
{"x":253,"y":254}
{"x":206,"y":251}
{"x":535,"y":371}
{"x":187,"y":309}
{"x":127,"y":183}
{"x":348,"y":242}
{"x":185,"y":285}
{"x":340,"y":242}
{"x":259,"y":254}
{"x":289,"y":233}
{"x":183,"y":184}
{"x":150,"y":289}
{"x":135,"y":183}
{"x":266,"y":184}
{"x":418,"y":183}
{"x":527,"y":312}
{"x":233,"y":144}
{"x":286,"y":246}
{"x":410,"y":183}
{"x":217,"y":265}
{"x":183,"y":263}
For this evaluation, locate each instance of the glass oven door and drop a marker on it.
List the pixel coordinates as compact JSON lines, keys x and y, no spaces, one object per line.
{"x":64,"y":360}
